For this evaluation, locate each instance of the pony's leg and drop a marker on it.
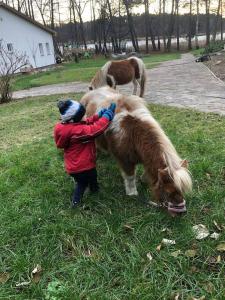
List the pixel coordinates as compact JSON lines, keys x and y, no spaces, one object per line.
{"x":144,"y":177}
{"x":135,"y":83}
{"x":129,"y":177}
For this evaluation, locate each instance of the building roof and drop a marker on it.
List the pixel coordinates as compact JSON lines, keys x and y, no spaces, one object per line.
{"x":28,"y":19}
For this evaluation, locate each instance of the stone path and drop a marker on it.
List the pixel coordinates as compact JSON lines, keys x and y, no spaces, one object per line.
{"x":181,"y":83}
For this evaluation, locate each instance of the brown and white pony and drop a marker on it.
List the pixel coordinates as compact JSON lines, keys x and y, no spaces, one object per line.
{"x":135,"y":137}
{"x":120,"y":72}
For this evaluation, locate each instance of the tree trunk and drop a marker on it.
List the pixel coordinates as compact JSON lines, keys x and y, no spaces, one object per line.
{"x":52,"y":14}
{"x":216,"y":21}
{"x":131,"y":27}
{"x":207,"y":31}
{"x":79,"y":11}
{"x":190,"y":26}
{"x":178,"y":25}
{"x":197,"y":25}
{"x":159,"y":27}
{"x":163,"y":24}
{"x":171,"y":26}
{"x":114,"y":35}
{"x":146,"y":3}
{"x":221,"y":25}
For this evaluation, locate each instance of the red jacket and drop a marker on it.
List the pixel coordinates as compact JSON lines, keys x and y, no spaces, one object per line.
{"x":77,"y":140}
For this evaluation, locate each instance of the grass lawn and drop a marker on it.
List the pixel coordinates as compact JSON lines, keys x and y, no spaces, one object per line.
{"x":198,"y":52}
{"x":100,"y":251}
{"x":83,"y":71}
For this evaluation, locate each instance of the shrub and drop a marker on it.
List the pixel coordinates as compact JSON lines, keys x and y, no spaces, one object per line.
{"x":10,"y":63}
{"x":214,"y":47}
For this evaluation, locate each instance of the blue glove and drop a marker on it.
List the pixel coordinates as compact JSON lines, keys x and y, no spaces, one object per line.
{"x":101,"y":112}
{"x":112,"y":107}
{"x":108,"y":114}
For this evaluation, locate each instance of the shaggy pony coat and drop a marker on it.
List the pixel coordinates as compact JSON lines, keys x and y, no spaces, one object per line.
{"x":135,"y":137}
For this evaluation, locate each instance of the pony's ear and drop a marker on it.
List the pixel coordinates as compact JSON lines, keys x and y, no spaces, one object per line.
{"x":184,"y":164}
{"x":163,"y":175}
{"x":109,"y":81}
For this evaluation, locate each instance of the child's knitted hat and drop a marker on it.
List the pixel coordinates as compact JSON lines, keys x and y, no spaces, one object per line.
{"x":71,"y":110}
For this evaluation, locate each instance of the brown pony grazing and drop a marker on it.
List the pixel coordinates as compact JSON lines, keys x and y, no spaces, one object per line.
{"x":135,"y":137}
{"x":120,"y":72}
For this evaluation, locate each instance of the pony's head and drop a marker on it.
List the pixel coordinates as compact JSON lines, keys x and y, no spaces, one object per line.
{"x":101,"y":78}
{"x":171,"y":187}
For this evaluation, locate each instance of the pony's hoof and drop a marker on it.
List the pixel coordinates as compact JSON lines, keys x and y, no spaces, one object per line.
{"x":133,"y":193}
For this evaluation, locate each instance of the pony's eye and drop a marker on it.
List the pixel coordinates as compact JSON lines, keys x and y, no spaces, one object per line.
{"x":90,"y":88}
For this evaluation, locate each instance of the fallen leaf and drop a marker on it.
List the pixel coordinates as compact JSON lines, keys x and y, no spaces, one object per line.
{"x":218,"y":260}
{"x":175,"y":253}
{"x":23,"y":284}
{"x":158,"y":248}
{"x":36,"y":274}
{"x":168,"y":242}
{"x":190,"y":253}
{"x":209,"y":287}
{"x":154,"y":204}
{"x":128,"y":227}
{"x":208,"y":175}
{"x":194,"y":269}
{"x":221,"y":247}
{"x":200,"y":231}
{"x":4,"y":277}
{"x":149,"y":256}
{"x":215,"y":235}
{"x":165,"y":229}
{"x":177,"y":297}
{"x":87,"y":253}
{"x":217,"y":226}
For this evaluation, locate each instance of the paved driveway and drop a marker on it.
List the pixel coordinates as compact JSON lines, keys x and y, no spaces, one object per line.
{"x":181,"y":83}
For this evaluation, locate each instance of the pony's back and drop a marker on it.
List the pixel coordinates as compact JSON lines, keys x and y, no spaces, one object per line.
{"x":104,"y":96}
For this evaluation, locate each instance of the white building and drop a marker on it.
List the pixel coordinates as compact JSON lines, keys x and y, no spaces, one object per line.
{"x":26,"y":36}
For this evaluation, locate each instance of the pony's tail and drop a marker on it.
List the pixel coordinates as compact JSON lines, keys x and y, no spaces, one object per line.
{"x":143,"y":81}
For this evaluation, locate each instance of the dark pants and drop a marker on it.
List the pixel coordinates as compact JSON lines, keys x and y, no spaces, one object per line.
{"x":84,"y":179}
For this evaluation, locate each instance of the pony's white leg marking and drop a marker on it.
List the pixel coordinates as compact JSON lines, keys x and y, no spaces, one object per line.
{"x":130,"y":184}
{"x":135,"y":83}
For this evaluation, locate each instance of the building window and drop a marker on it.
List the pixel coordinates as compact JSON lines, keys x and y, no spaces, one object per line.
{"x":48,"y":49}
{"x":10,"y":47}
{"x":41,"y":49}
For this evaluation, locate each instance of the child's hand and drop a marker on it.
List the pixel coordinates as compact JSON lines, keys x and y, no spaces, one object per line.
{"x":101,"y":112}
{"x":108,"y":114}
{"x":112,"y":107}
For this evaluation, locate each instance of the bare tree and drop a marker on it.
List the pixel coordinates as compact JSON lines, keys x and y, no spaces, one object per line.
{"x":42,"y":6}
{"x":79,"y":6}
{"x":207,"y":30}
{"x":190,"y":26}
{"x":177,"y":25}
{"x":197,"y":24}
{"x":171,"y":26}
{"x":10,"y":63}
{"x":127,"y":4}
{"x":216,"y":20}
{"x":221,"y":21}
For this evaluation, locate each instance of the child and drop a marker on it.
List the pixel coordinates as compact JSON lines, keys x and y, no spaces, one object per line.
{"x":77,"y":138}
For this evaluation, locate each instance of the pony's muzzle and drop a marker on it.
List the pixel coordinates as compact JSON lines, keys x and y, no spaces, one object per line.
{"x":177,"y":208}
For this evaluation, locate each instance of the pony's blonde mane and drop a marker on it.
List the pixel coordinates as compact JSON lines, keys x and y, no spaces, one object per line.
{"x":99,"y":79}
{"x":180,"y":175}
